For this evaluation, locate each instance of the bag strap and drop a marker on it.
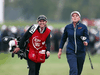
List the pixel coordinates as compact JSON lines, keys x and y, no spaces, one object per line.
{"x":33,"y":28}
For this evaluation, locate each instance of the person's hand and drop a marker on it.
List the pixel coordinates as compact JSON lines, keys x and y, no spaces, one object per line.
{"x":59,"y":53}
{"x":16,"y":50}
{"x":85,"y":43}
{"x":48,"y":53}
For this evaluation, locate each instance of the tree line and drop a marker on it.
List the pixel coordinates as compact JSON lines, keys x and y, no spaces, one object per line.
{"x":57,"y":9}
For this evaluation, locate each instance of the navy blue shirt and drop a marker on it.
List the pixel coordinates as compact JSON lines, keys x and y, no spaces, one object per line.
{"x":75,"y":43}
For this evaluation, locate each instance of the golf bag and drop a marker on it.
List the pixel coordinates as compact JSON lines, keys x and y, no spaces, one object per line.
{"x":13,"y":43}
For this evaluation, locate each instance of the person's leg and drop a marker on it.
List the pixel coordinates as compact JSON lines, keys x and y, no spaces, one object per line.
{"x":37,"y":68}
{"x":31,"y":65}
{"x":72,"y":60}
{"x":80,"y":62}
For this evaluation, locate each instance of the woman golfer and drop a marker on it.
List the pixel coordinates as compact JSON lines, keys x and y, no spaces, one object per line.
{"x":75,"y":51}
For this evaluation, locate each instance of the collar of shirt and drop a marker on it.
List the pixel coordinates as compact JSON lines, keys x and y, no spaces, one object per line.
{"x":77,"y":23}
{"x":41,"y":31}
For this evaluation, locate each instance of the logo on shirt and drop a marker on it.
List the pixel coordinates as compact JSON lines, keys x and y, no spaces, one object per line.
{"x":79,"y":27}
{"x":37,"y":43}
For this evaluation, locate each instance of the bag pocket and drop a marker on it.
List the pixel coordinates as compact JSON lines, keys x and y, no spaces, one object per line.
{"x":41,"y":56}
{"x":32,"y":56}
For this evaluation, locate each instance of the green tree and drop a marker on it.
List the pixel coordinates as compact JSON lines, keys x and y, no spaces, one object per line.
{"x":87,"y":8}
{"x":36,"y":7}
{"x":57,"y":9}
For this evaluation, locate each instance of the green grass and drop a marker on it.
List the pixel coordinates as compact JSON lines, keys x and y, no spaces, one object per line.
{"x":52,"y":66}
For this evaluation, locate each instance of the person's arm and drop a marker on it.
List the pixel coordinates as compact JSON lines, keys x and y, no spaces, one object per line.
{"x":23,"y":40}
{"x":63,"y":40}
{"x":86,"y":34}
{"x":48,"y":45}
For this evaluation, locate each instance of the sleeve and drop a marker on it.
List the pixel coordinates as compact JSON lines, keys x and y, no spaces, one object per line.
{"x":48,"y":43}
{"x":63,"y":38}
{"x":24,"y":38}
{"x":86,"y":34}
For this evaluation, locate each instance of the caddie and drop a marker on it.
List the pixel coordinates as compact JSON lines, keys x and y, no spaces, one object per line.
{"x":38,"y":36}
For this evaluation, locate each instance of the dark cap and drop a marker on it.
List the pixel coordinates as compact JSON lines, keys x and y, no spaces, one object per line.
{"x":42,"y":17}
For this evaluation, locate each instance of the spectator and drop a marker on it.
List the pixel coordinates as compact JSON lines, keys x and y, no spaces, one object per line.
{"x":4,"y":46}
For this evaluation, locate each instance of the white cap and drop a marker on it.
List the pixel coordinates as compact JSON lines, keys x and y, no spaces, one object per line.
{"x":76,"y":13}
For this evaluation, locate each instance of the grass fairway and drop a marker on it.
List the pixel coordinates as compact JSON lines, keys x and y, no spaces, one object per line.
{"x":52,"y":66}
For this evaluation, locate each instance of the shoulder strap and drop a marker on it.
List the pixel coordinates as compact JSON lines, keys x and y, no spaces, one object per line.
{"x":27,"y":35}
{"x":33,"y":28}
